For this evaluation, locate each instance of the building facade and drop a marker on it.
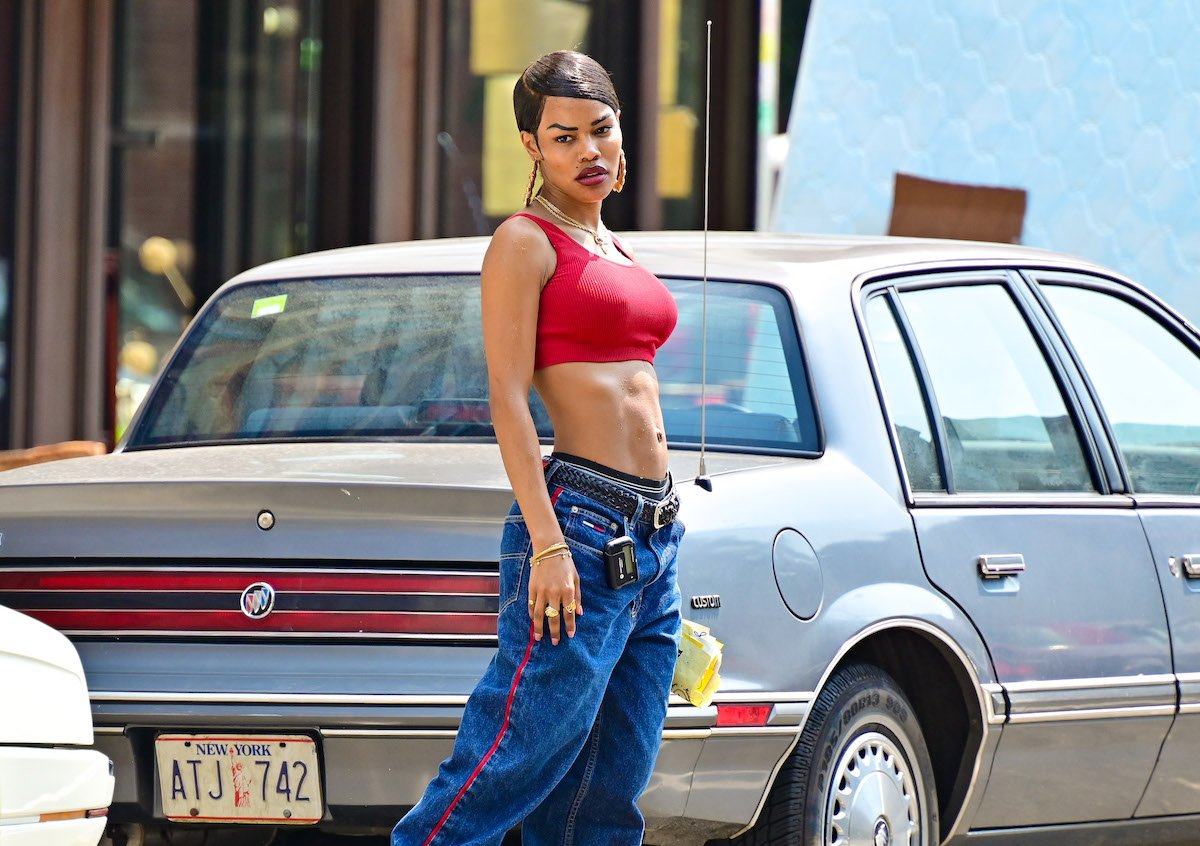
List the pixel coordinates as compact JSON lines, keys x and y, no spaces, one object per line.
{"x":151,"y":149}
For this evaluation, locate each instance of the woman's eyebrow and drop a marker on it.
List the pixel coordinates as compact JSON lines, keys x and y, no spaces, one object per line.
{"x":600,"y":119}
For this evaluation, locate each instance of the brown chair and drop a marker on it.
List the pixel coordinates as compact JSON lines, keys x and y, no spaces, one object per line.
{"x":928,"y":208}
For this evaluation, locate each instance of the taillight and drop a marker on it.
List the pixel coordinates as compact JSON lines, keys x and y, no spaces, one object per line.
{"x":743,"y":715}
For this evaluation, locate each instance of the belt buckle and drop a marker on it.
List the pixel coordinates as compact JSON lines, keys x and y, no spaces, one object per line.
{"x":666,"y":510}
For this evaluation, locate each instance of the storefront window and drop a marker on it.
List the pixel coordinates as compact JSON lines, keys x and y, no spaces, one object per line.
{"x":487,"y":44}
{"x":681,"y":113}
{"x":8,"y":157}
{"x":215,"y":141}
{"x":282,"y":128}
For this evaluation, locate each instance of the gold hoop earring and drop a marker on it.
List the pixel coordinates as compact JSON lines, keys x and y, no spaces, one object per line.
{"x":619,"y":185}
{"x":529,"y":188}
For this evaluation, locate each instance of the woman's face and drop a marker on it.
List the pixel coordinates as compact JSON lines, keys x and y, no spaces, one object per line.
{"x":579,"y":147}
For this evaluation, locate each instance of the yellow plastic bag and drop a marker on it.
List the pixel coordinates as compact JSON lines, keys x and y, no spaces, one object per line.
{"x":697,"y":667}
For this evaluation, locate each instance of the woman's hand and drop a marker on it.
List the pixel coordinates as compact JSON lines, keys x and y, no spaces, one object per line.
{"x":554,"y":584}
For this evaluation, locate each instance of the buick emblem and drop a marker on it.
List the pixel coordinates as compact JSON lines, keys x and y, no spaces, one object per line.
{"x":883,"y":834}
{"x":258,"y":600}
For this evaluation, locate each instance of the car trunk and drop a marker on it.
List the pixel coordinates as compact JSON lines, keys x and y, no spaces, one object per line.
{"x":158,"y":566}
{"x":186,"y":532}
{"x":399,"y":544}
{"x":378,"y":558}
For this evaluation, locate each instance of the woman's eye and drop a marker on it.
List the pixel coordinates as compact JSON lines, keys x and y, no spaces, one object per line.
{"x":604,"y":130}
{"x":563,"y":139}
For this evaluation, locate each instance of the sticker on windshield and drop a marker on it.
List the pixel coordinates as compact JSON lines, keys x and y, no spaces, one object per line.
{"x":268,"y":305}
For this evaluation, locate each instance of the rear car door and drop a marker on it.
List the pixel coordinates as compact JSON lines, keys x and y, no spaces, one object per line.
{"x":1143,"y":365}
{"x":1018,"y":524}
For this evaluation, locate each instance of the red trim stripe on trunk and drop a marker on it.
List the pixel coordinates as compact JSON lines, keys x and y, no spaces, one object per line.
{"x":203,"y":599}
{"x":195,"y":579}
{"x":317,"y":622}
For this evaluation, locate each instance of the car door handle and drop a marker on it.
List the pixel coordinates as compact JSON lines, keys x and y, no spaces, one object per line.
{"x":1191,"y":566}
{"x":1010,"y":564}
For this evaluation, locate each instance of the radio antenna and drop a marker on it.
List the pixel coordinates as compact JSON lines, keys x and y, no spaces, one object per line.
{"x":702,"y":477}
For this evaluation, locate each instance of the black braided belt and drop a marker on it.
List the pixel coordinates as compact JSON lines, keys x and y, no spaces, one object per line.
{"x":617,"y":498}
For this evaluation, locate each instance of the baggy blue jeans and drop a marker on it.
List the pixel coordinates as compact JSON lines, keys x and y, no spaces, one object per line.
{"x":564,"y":737}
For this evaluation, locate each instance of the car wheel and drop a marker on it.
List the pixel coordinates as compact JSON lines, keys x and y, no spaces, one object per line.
{"x":859,"y":776}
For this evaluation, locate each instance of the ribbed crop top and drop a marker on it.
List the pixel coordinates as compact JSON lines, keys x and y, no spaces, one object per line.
{"x":596,"y":309}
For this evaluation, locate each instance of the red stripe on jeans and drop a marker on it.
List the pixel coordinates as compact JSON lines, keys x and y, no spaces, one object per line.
{"x":554,"y":497}
{"x":503,"y":728}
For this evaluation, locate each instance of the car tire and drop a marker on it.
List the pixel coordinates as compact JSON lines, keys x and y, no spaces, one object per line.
{"x":859,"y":775}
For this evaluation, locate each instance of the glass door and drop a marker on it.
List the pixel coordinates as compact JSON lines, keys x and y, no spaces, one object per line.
{"x":214,"y":161}
{"x":152,"y":219}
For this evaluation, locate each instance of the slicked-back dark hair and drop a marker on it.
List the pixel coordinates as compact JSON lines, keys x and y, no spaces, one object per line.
{"x":563,"y":73}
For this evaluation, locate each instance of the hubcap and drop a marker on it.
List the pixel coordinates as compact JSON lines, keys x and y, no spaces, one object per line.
{"x":872,"y":799}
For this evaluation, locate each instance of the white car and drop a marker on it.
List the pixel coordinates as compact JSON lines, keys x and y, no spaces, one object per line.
{"x":53,"y":789}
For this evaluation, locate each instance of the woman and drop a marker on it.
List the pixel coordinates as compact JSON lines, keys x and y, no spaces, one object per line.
{"x":562,"y":732}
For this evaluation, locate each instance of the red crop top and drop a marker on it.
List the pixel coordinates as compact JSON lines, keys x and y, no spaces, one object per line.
{"x":595,"y":309}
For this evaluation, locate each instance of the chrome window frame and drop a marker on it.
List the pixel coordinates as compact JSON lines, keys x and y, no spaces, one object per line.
{"x":1079,"y":404}
{"x":1138,"y":297}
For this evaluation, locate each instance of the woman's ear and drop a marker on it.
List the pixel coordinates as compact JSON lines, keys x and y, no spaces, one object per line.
{"x":529,"y":142}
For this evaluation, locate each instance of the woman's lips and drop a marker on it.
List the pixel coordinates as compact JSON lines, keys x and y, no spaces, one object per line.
{"x":592,"y":176}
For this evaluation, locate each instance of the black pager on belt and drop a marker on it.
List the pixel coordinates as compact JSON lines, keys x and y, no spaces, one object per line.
{"x":620,"y":561}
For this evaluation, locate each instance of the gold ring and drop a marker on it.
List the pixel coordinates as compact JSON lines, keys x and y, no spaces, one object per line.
{"x":531,"y":603}
{"x":570,"y":607}
{"x":551,"y":611}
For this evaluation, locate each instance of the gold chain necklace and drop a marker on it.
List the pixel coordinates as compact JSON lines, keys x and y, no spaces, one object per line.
{"x":600,"y":240}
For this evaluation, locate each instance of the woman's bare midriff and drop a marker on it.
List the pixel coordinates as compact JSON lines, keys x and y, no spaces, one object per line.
{"x":607,"y":412}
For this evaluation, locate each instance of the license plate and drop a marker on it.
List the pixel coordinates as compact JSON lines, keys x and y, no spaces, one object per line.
{"x":239,"y":778}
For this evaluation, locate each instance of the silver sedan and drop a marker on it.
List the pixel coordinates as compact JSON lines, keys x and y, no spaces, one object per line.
{"x":952,"y":546}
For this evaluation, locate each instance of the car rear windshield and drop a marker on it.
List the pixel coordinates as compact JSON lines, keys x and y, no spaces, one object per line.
{"x":401,"y":357}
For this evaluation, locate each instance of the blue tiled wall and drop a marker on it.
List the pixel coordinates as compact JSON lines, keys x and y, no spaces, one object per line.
{"x":1092,"y":106}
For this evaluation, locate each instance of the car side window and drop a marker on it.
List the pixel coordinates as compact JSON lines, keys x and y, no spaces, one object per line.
{"x":1006,"y":423}
{"x":755,"y":393}
{"x":1147,"y":380}
{"x":902,"y":392}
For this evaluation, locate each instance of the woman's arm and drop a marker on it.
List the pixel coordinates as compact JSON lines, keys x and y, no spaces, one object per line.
{"x":518,"y":262}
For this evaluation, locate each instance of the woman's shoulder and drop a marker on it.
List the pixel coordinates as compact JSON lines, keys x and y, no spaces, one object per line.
{"x":521,"y":229}
{"x":519,"y":239}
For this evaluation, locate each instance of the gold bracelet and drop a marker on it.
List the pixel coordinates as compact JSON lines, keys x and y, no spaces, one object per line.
{"x":548,"y":551}
{"x":565,"y":553}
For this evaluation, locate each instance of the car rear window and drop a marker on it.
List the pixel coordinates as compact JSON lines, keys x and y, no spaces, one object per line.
{"x":402,"y":357}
